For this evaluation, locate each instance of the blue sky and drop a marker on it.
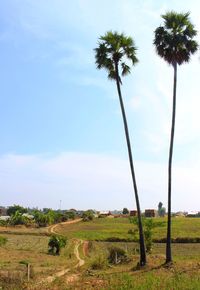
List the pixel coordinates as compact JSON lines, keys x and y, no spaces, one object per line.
{"x":61,"y":129}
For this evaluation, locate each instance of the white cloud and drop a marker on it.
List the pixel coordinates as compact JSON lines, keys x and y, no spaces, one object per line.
{"x":84,"y":180}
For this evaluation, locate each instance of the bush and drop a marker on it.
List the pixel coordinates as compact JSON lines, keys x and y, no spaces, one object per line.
{"x":17,"y":219}
{"x":3,"y":241}
{"x":148,"y":234}
{"x":55,"y":244}
{"x":88,"y":216}
{"x":117,"y":256}
{"x":4,"y":223}
{"x":13,"y":209}
{"x":99,"y":262}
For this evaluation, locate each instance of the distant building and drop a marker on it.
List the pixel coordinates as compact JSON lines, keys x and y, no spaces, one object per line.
{"x":180,"y":214}
{"x":116,"y":212}
{"x":133,"y":213}
{"x":104,"y":213}
{"x":193,"y":214}
{"x":4,"y":218}
{"x":150,"y":213}
{"x":28,"y":216}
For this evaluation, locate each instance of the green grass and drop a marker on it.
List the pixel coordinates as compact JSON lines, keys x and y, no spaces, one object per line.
{"x":32,"y":247}
{"x":105,"y":228}
{"x":152,"y":281}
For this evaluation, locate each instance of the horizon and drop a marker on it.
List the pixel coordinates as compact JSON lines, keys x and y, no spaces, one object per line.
{"x":61,"y":127}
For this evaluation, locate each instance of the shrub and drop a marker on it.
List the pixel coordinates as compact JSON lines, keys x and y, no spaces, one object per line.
{"x":17,"y":219}
{"x":88,"y":216}
{"x":148,"y":234}
{"x":99,"y":262}
{"x":55,"y":244}
{"x":3,"y":241}
{"x":117,"y":256}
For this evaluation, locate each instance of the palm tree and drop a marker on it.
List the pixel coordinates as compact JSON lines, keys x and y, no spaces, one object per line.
{"x":112,"y":53}
{"x":174,"y":42}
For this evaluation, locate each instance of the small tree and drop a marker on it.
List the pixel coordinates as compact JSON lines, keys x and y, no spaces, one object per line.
{"x":125,"y":210}
{"x":41,"y":219}
{"x":17,"y":219}
{"x":55,"y":244}
{"x":161,"y":209}
{"x":148,"y":232}
{"x":12,"y":209}
{"x":88,"y":216}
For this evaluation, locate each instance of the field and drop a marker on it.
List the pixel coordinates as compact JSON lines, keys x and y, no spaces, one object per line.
{"x":106,"y":228}
{"x":31,"y":245}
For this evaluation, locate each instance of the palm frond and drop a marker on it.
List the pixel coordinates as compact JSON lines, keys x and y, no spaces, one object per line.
{"x":113,"y":50}
{"x":174,"y":40}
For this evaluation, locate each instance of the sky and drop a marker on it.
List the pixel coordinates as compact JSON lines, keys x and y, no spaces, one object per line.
{"x":62,"y":137}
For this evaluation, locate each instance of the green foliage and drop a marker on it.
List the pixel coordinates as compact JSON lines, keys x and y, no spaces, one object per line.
{"x":3,"y":241}
{"x":152,"y":280}
{"x":113,"y":50}
{"x":125,"y":210}
{"x":4,"y":223}
{"x":55,"y":244}
{"x":24,"y":262}
{"x":148,"y":224}
{"x":70,"y":215}
{"x":17,"y":219}
{"x":148,"y":234}
{"x":88,"y":216}
{"x":41,"y":219}
{"x":174,"y":40}
{"x":161,"y":210}
{"x":13,"y":209}
{"x":117,"y":256}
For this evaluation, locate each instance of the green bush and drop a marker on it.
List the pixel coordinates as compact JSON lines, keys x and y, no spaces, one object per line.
{"x":4,"y":223}
{"x":17,"y":219}
{"x":3,"y":241}
{"x":55,"y":244}
{"x":88,"y":216}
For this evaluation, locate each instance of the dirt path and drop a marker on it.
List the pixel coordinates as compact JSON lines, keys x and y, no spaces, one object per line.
{"x":80,"y":263}
{"x":71,"y":277}
{"x":51,"y":229}
{"x":85,"y":248}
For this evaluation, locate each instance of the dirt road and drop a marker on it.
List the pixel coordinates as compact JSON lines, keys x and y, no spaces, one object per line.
{"x":81,"y":262}
{"x":51,"y":229}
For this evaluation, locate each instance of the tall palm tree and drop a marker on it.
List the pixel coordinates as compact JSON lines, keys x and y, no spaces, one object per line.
{"x":174,"y":42}
{"x":113,"y":52}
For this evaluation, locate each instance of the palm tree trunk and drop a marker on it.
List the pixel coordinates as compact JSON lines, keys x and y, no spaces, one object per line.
{"x":168,"y":245}
{"x":141,"y":235}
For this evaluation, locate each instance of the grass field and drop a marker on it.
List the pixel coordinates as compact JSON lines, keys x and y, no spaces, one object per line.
{"x":105,"y":228}
{"x":34,"y":250}
{"x":31,"y":245}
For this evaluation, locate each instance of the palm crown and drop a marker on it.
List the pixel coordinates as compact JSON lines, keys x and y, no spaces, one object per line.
{"x":115,"y":49}
{"x":174,"y":41}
